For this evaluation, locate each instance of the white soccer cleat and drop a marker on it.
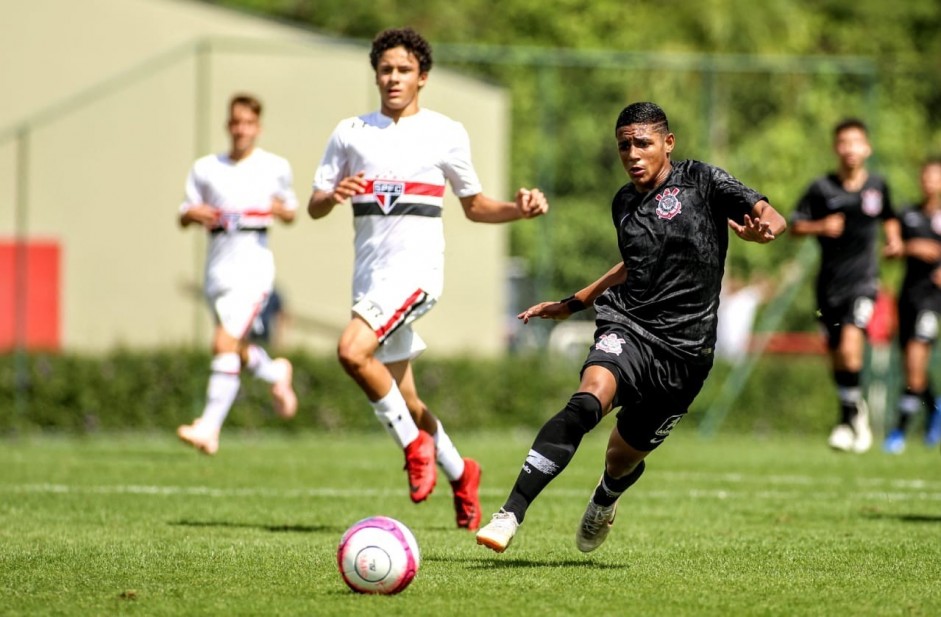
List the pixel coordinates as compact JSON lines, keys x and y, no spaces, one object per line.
{"x":842,"y":438}
{"x":499,"y":532}
{"x":199,"y":436}
{"x":282,"y":391}
{"x":595,"y":525}
{"x":862,"y":432}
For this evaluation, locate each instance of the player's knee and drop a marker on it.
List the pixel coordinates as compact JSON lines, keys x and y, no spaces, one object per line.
{"x":582,"y":411}
{"x":352,"y":357}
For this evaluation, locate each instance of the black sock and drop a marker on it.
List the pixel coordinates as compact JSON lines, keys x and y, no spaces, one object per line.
{"x":609,"y":489}
{"x":910,"y":403}
{"x":847,"y":384}
{"x":552,"y":450}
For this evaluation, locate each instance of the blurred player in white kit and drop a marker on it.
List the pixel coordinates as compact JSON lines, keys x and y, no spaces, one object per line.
{"x":236,"y":196}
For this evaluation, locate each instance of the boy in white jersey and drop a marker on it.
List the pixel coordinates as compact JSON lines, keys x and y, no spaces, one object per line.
{"x":393,"y":164}
{"x":235,"y":196}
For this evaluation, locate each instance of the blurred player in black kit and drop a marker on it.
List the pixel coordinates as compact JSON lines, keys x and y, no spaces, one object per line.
{"x":656,"y":319}
{"x":920,"y":308}
{"x":844,"y":210}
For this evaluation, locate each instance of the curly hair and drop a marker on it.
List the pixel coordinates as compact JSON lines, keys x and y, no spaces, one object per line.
{"x":413,"y":42}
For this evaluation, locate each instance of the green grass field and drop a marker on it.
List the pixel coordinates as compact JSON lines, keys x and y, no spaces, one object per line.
{"x":139,"y":524}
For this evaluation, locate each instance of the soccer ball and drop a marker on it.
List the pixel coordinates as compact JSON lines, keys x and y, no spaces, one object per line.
{"x":378,"y":555}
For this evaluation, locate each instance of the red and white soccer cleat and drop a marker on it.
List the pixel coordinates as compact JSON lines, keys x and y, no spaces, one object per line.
{"x":466,"y":500}
{"x":420,"y":465}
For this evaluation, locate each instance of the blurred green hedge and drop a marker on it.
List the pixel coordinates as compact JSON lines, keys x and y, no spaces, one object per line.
{"x":158,"y":390}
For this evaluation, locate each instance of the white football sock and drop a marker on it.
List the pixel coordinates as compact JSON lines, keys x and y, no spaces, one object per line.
{"x":261,"y":366}
{"x":392,"y":411}
{"x":223,"y":387}
{"x":448,"y":457}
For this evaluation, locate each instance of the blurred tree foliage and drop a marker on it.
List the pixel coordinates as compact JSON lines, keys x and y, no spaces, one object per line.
{"x":770,"y":128}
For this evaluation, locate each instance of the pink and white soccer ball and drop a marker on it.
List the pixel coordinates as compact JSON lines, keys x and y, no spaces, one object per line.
{"x":378,"y":555}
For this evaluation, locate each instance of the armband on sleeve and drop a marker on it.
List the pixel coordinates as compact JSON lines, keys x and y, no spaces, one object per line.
{"x":574,"y":304}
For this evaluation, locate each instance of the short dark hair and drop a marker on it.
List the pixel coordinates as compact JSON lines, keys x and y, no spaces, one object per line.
{"x":643,"y":113}
{"x":413,"y":42}
{"x":248,"y":100}
{"x":850,"y":123}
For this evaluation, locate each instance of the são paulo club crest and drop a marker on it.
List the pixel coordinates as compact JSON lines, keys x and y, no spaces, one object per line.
{"x":872,"y":202}
{"x":668,"y":205}
{"x":387,"y":192}
{"x":610,"y":343}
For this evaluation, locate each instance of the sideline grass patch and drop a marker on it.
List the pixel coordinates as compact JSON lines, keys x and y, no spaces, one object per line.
{"x":139,"y":524}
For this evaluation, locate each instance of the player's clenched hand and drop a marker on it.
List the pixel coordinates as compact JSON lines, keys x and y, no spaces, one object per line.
{"x":832,"y":225}
{"x":349,"y":186}
{"x":546,"y":310}
{"x":202,"y":214}
{"x":894,"y":247}
{"x":531,"y":203}
{"x":281,"y":211}
{"x":753,"y":230}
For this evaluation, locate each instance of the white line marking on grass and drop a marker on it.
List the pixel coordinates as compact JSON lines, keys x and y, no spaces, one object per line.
{"x":895,"y":491}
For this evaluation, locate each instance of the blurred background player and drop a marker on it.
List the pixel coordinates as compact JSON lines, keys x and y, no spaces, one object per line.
{"x":843,"y":210}
{"x":656,"y":320}
{"x":393,"y":165}
{"x":919,"y":308}
{"x":235,"y":196}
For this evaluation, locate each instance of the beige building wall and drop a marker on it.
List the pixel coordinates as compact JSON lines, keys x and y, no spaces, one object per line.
{"x":118,"y":97}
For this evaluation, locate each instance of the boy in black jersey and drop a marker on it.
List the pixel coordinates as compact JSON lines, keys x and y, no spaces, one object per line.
{"x":919,"y":306}
{"x":843,"y":210}
{"x":656,"y":319}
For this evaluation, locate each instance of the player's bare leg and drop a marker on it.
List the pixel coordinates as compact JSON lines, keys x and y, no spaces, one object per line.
{"x":356,"y":352}
{"x":279,"y":372}
{"x":624,"y":465}
{"x":917,"y":394}
{"x":203,"y":433}
{"x":462,"y":473}
{"x":852,"y":433}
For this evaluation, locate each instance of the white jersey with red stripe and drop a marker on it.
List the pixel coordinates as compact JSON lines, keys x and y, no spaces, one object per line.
{"x":243,"y":192}
{"x":399,"y":237}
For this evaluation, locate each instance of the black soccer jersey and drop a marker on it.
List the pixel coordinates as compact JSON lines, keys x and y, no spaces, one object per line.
{"x":917,"y":288}
{"x":849,"y":266}
{"x":673,"y":241}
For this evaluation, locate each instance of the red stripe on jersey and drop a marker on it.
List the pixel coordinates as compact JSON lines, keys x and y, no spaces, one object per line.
{"x":413,"y":300}
{"x":411,"y":188}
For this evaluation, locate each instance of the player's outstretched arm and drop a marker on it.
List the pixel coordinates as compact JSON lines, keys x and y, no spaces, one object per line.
{"x":528,"y":203}
{"x":830,"y":226}
{"x":322,"y":202}
{"x":762,"y":226}
{"x":578,"y":301}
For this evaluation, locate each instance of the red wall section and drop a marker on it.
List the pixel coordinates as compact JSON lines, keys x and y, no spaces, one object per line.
{"x":42,"y":291}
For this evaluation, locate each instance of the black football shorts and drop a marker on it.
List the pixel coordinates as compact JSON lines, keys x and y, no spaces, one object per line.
{"x":655,"y":387}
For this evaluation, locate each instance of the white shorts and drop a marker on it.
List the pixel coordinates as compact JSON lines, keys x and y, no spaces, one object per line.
{"x":390,"y":313}
{"x":236,"y":309}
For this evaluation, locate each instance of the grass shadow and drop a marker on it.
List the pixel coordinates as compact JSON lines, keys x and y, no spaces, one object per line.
{"x":498,"y":562}
{"x":907,"y":518}
{"x":272,"y":528}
